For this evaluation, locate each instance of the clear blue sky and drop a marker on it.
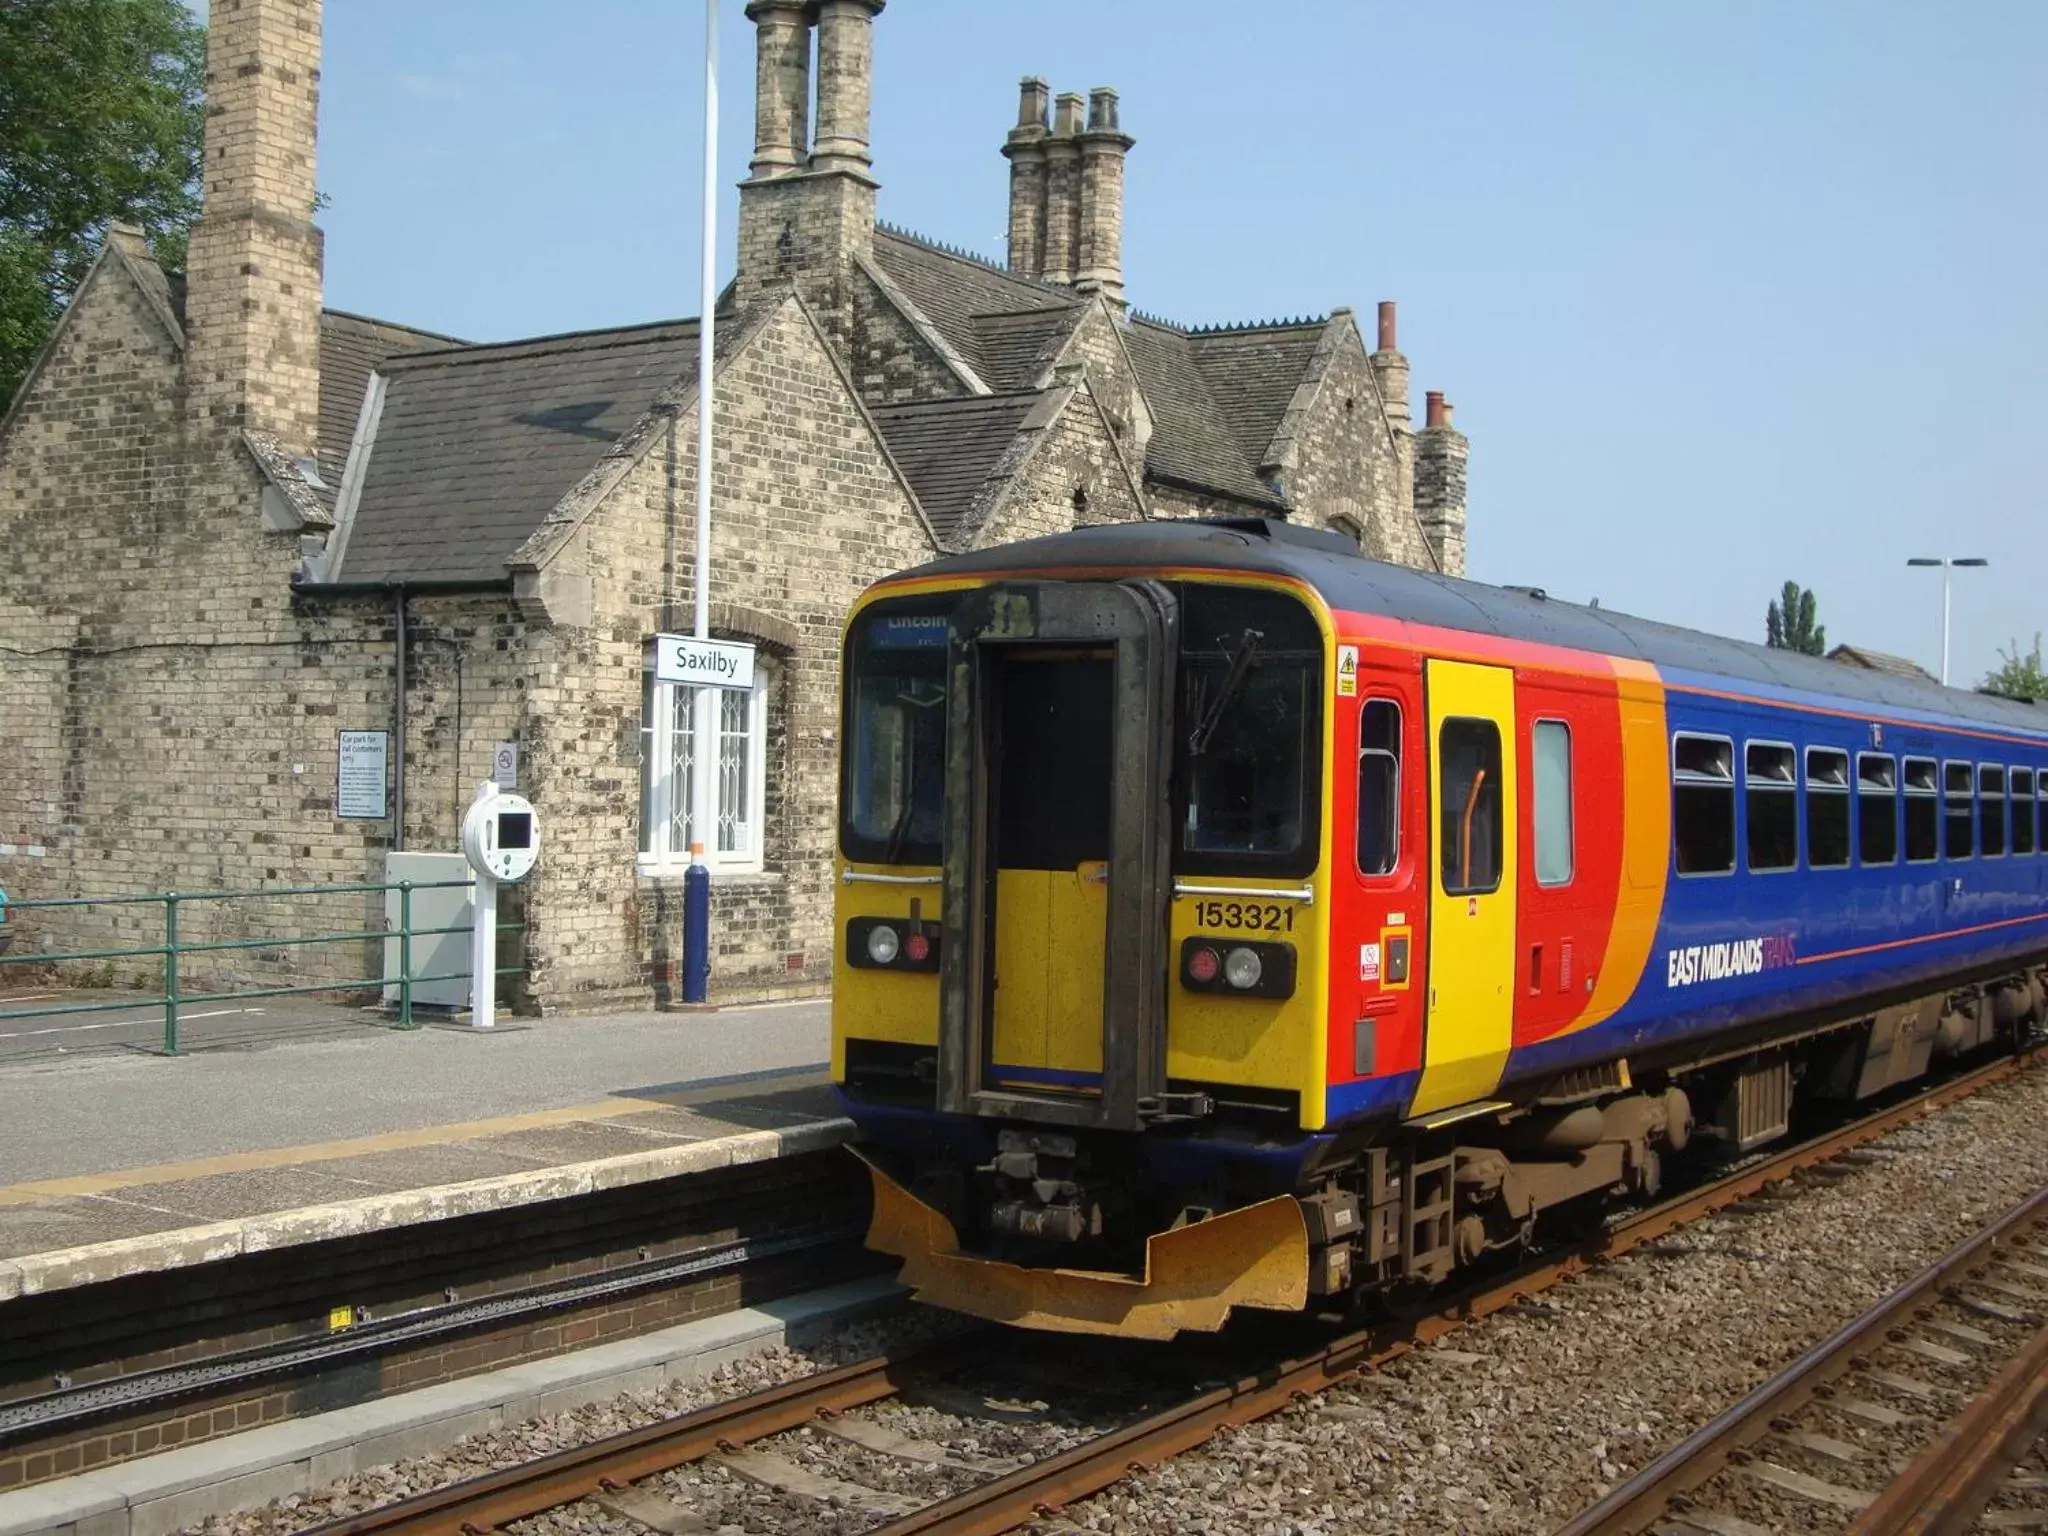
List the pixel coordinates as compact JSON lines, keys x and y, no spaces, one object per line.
{"x":1723,"y":293}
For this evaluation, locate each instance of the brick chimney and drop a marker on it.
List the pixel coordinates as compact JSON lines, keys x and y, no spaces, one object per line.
{"x":807,"y":210}
{"x":1062,"y":190}
{"x":253,"y":268}
{"x":782,"y":87}
{"x":1025,"y":150}
{"x":1441,"y":455}
{"x":1099,"y":257}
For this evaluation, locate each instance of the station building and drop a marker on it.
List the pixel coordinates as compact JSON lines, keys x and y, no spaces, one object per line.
{"x":235,"y":525}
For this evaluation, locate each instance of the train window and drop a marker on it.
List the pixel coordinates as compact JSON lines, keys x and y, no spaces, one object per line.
{"x":1247,"y":791}
{"x":1877,"y":809}
{"x":1551,"y":758}
{"x":1991,"y":810}
{"x":1771,"y":796}
{"x":1827,"y":808}
{"x":1959,"y":811}
{"x":2023,"y":840}
{"x":1923,"y":811}
{"x":1703,"y":804}
{"x":893,"y":784}
{"x":1469,"y":775}
{"x":1379,"y":787}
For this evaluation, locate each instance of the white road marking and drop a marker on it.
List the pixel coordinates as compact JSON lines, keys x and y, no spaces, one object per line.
{"x":154,"y":1018}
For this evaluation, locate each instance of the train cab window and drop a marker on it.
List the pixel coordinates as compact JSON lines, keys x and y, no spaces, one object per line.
{"x":1923,"y":811}
{"x":1958,"y":811}
{"x":1379,"y":787}
{"x":1247,"y":751}
{"x":1703,"y":804}
{"x":1469,"y":786}
{"x":1771,"y":796}
{"x":1877,"y":809}
{"x":892,"y":789}
{"x":1827,"y":808}
{"x":1991,"y":810}
{"x":2023,"y":839}
{"x":1550,"y":758}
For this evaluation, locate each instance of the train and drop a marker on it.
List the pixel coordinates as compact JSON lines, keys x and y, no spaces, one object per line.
{"x":1226,"y":919}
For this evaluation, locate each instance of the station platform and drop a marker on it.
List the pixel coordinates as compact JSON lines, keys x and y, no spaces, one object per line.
{"x":122,"y":1164}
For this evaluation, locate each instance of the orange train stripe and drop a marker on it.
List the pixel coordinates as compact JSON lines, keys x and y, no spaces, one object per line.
{"x":1645,"y":847}
{"x":1925,"y":938}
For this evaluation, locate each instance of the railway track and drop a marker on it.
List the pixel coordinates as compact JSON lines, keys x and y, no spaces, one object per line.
{"x":1905,"y":1422}
{"x":636,"y":1475}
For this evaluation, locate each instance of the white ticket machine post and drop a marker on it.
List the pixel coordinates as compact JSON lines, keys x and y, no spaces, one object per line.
{"x":501,"y":840}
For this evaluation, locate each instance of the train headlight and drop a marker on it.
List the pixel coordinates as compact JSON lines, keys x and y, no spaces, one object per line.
{"x":1242,"y":968}
{"x":1247,"y":968}
{"x":883,"y":944}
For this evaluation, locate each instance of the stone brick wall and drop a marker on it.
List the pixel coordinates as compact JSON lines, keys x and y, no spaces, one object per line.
{"x":889,"y":360}
{"x":1347,"y":455}
{"x":1072,"y":452}
{"x":807,"y":513}
{"x":185,"y":708}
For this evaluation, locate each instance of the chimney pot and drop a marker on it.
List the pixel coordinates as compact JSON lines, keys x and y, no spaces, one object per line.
{"x":1434,"y":412}
{"x":1066,"y":122}
{"x":1387,"y":342}
{"x":782,"y":86}
{"x":1033,"y":102}
{"x":845,"y":84}
{"x":1102,"y":110}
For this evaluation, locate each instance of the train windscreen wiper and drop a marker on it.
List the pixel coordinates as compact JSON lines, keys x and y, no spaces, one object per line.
{"x":1240,"y":664}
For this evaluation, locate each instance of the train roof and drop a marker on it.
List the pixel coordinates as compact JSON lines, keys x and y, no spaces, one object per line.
{"x":1347,"y":579}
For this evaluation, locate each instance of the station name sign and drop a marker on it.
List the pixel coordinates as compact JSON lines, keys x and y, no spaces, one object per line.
{"x":703,"y":663}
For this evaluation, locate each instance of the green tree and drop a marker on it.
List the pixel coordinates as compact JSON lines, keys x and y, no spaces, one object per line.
{"x":2018,"y":676}
{"x":1789,"y":625}
{"x":101,"y":118}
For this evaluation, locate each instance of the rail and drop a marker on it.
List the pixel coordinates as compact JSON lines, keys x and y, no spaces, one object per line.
{"x":167,"y":955}
{"x":605,"y":1469}
{"x":1942,"y":1490}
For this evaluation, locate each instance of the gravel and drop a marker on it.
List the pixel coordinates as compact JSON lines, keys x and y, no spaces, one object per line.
{"x":1510,"y":1425}
{"x":1517,"y":1422}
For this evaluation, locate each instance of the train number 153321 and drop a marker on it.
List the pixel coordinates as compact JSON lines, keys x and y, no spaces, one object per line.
{"x":1259,"y":916}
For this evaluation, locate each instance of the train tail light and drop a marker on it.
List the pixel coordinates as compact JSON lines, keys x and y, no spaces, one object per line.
{"x":892,"y":944}
{"x":1254,"y":968}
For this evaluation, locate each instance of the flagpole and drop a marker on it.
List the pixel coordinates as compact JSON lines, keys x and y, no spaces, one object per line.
{"x":703,"y":700}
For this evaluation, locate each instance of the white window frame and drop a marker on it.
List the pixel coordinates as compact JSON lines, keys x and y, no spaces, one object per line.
{"x":658,"y":852}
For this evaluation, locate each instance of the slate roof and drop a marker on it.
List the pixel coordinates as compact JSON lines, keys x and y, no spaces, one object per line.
{"x":947,"y":449}
{"x":951,"y":287}
{"x":475,"y":446}
{"x":1253,"y":374}
{"x":350,"y":346}
{"x":1011,"y":351}
{"x":1216,"y":397}
{"x":1879,"y":661}
{"x":1193,"y":441}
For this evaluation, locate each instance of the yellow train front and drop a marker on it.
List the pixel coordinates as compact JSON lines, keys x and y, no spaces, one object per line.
{"x":1082,"y":963}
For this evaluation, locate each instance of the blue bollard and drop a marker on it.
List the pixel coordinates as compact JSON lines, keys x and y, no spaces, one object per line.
{"x":696,"y":933}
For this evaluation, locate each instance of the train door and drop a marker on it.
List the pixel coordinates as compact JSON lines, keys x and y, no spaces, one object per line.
{"x":1056,"y":875}
{"x":1051,"y":752}
{"x":1470,"y":1017}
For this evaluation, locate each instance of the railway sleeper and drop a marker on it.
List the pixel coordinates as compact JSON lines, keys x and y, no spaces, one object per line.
{"x":1414,"y":1210}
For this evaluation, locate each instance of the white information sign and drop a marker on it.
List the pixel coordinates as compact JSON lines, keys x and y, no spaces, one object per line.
{"x":505,"y":765}
{"x":703,"y":663}
{"x":359,"y":785}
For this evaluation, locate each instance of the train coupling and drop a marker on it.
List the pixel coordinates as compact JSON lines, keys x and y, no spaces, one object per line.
{"x":1038,"y":1194}
{"x":1194,"y":1274}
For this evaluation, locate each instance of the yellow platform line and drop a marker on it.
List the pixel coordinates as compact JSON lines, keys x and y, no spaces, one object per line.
{"x":321,"y":1151}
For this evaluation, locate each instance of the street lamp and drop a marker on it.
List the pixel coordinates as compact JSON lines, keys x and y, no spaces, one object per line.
{"x":1946,"y":566}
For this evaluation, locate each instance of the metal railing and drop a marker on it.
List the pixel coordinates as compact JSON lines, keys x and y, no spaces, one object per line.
{"x":171,"y":951}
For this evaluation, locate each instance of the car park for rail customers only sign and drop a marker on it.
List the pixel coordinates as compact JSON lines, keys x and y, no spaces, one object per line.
{"x":703,"y":663}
